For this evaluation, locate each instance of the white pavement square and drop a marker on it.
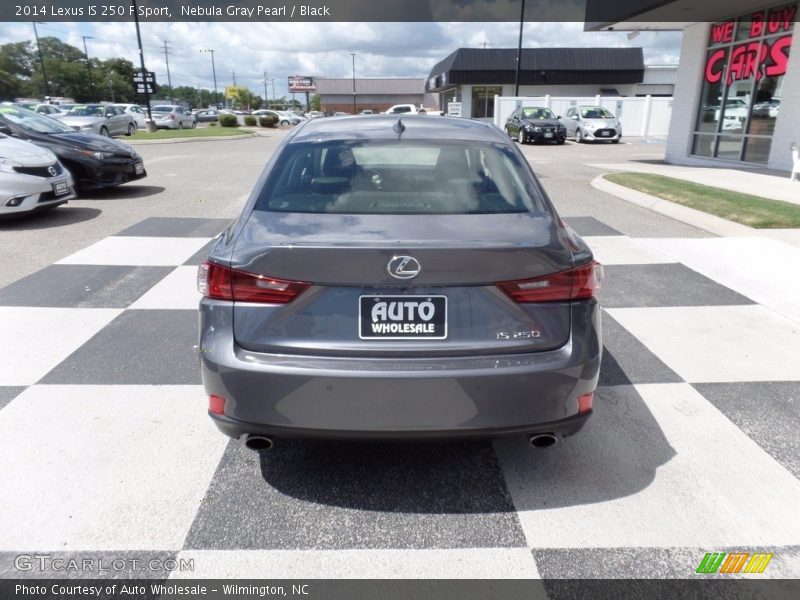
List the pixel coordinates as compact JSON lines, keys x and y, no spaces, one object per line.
{"x":137,"y":251}
{"x":718,"y":343}
{"x":104,"y":467}
{"x":622,"y":250}
{"x":764,"y":270}
{"x":719,"y":489}
{"x":462,"y":563}
{"x":34,"y":340}
{"x":178,"y":290}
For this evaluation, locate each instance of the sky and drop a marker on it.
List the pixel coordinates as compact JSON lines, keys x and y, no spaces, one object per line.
{"x":319,"y":49}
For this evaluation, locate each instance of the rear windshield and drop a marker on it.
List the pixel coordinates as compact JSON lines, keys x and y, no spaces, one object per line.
{"x":391,"y":177}
{"x":86,"y":111}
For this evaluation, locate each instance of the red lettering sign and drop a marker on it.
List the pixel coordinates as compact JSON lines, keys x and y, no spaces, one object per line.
{"x":779,"y":53}
{"x":757,"y":26}
{"x":714,"y":66}
{"x":722,"y":32}
{"x":750,"y":59}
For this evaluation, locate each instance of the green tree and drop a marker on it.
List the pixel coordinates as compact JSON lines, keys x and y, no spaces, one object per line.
{"x":315,"y":102}
{"x":16,"y":68}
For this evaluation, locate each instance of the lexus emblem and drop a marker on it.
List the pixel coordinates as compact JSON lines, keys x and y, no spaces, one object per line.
{"x":52,"y":170}
{"x":403,"y":267}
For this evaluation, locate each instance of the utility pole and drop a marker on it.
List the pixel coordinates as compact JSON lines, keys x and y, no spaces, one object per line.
{"x":272,"y":81}
{"x":519,"y":48}
{"x":88,"y":64}
{"x":353,"y":54}
{"x":214,"y":72}
{"x":41,"y":62}
{"x":150,"y":125}
{"x":233,"y":76}
{"x":169,"y":79}
{"x":265,"y":90}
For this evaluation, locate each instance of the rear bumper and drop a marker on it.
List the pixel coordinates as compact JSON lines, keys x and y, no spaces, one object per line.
{"x":408,"y":398}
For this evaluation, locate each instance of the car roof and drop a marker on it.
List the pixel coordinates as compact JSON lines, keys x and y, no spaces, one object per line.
{"x":417,"y":127}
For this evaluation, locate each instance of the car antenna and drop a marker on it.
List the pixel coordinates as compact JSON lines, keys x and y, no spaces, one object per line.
{"x":399,"y":128}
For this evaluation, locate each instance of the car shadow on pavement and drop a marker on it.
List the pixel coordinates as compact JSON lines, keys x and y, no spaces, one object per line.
{"x":57,"y":217}
{"x":122,"y":192}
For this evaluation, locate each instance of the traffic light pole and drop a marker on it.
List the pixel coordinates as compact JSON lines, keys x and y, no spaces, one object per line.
{"x":150,"y":125}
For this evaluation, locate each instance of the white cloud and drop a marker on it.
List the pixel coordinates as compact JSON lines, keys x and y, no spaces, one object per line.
{"x":321,"y":49}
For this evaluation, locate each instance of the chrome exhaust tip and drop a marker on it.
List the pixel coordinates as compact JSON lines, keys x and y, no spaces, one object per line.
{"x":542,"y":440}
{"x":258,"y":442}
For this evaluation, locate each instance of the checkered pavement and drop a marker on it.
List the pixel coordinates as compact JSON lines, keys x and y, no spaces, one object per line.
{"x":693,"y":446}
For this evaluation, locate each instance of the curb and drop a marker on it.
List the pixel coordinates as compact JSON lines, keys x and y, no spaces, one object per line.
{"x":690,"y":216}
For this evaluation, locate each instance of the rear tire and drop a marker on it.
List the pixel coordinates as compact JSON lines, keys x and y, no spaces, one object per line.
{"x":131,"y":130}
{"x":578,"y":136}
{"x":104,"y":131}
{"x":521,"y":136}
{"x":194,"y":124}
{"x":615,"y":141}
{"x":180,"y":124}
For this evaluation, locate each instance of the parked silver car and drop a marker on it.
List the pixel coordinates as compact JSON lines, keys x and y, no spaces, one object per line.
{"x":592,"y":123}
{"x":105,"y":119}
{"x":31,"y":178}
{"x":170,"y":116}
{"x":399,"y":278}
{"x":137,"y":112}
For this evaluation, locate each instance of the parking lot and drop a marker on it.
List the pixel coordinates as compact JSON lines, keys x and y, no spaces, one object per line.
{"x":692,"y":447}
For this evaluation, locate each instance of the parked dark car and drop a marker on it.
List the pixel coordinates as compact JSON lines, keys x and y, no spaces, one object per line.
{"x":399,"y":278}
{"x":535,"y":124}
{"x":95,"y":161}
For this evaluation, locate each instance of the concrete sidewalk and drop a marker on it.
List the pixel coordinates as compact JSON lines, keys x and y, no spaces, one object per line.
{"x":770,"y":186}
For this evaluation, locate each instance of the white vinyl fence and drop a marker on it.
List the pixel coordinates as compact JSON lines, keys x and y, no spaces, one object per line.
{"x":639,"y":116}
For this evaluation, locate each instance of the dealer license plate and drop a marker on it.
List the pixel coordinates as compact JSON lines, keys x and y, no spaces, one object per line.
{"x":402,"y":317}
{"x":548,"y":135}
{"x":138,"y":168}
{"x":605,"y":133}
{"x":60,"y":188}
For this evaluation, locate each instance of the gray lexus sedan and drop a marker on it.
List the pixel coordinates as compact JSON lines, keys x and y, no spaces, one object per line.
{"x":399,"y":278}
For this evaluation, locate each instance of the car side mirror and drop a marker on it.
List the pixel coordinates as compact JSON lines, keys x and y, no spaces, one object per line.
{"x":558,"y":117}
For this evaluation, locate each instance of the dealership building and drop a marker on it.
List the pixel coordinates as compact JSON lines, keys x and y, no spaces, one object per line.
{"x":737,"y":92}
{"x":474,"y":76}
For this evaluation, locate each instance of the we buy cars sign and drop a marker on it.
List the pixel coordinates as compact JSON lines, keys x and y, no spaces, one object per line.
{"x":299,"y":83}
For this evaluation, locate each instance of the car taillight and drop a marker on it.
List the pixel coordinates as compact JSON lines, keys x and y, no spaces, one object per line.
{"x":574,"y":284}
{"x":172,"y":117}
{"x":223,"y":283}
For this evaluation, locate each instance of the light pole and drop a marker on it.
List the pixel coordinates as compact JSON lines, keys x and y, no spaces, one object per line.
{"x":265,"y":90}
{"x":150,"y":125}
{"x":214,"y":73}
{"x":519,"y":49}
{"x":41,"y":62}
{"x":353,"y":54}
{"x":88,"y":64}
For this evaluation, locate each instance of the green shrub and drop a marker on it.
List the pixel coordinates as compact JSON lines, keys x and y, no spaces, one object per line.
{"x":212,"y":124}
{"x":250,"y":121}
{"x":228,"y":121}
{"x":268,"y":120}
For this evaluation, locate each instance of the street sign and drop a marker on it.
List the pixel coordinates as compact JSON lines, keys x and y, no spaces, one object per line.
{"x":301,"y":83}
{"x":454,"y":109}
{"x":146,"y":82}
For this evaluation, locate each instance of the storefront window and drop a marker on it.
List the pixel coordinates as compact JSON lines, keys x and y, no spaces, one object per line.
{"x":483,"y":101}
{"x":743,"y":76}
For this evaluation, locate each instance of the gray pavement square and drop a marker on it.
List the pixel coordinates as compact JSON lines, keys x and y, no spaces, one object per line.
{"x":590,"y":226}
{"x":176,"y":227}
{"x":8,"y":393}
{"x":332,"y":495}
{"x":82,"y":286}
{"x":201,"y":255}
{"x":139,"y":347}
{"x":767,"y":411}
{"x":626,"y":360}
{"x":672,"y":284}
